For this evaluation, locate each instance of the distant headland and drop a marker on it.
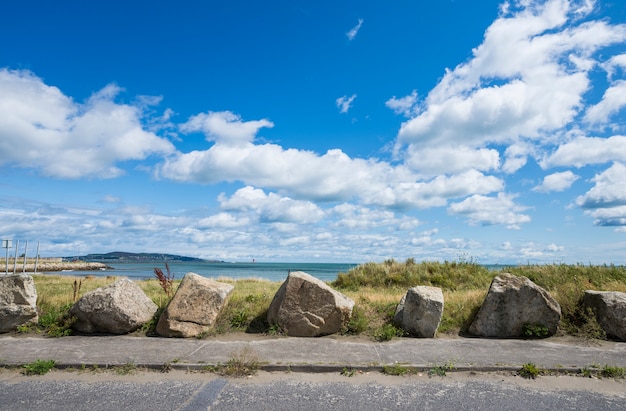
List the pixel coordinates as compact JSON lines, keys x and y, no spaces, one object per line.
{"x":124,"y":257}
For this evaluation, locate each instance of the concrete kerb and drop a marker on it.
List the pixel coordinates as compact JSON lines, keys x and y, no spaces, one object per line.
{"x":318,"y":355}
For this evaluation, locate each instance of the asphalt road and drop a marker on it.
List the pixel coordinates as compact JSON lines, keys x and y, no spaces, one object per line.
{"x":309,"y":392}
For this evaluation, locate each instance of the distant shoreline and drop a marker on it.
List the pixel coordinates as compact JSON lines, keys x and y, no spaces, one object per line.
{"x":48,"y":266}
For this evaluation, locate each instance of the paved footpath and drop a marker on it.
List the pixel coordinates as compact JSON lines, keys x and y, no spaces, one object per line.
{"x":325,"y":354}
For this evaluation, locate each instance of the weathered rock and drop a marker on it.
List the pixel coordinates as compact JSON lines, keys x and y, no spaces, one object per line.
{"x":305,"y":306}
{"x":18,"y":301}
{"x":117,"y":308}
{"x":610,"y":310}
{"x":420,"y":310}
{"x":194,"y":308}
{"x":513,"y":303}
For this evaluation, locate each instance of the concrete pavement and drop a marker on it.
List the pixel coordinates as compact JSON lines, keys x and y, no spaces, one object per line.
{"x":325,"y":354}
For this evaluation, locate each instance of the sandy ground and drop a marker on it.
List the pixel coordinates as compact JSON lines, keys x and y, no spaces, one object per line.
{"x":561,"y":382}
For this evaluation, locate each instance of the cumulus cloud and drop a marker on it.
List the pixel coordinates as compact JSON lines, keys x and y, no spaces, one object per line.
{"x":491,"y":210}
{"x":44,"y":129}
{"x":271,"y":207}
{"x":344,"y":103}
{"x":354,"y":30}
{"x":449,"y":159}
{"x":332,"y":176}
{"x":584,"y":151}
{"x":404,"y":105}
{"x":526,"y":80}
{"x":605,"y":202}
{"x":225,"y":127}
{"x":556,"y":182}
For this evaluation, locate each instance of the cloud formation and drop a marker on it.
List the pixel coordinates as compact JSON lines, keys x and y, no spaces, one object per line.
{"x":42,"y":128}
{"x":344,"y":103}
{"x":354,"y":30}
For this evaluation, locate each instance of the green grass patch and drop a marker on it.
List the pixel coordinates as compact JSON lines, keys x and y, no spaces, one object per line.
{"x":39,"y":367}
{"x":376,"y":289}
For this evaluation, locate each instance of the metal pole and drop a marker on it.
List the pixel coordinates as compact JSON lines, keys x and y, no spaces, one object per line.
{"x":25,"y":251}
{"x":17,"y":243}
{"x":36,"y":258}
{"x":6,"y":270}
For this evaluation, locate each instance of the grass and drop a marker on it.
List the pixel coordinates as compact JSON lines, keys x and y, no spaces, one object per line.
{"x":39,"y":367}
{"x":441,"y":370}
{"x":376,"y":289}
{"x":242,"y":363}
{"x":529,"y":370}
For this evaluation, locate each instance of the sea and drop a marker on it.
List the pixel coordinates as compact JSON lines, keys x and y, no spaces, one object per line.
{"x":255,"y":270}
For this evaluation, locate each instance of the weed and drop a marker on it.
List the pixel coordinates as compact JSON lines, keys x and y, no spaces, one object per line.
{"x":441,"y":370}
{"x":166,"y":367}
{"x":166,"y":281}
{"x":39,"y":367}
{"x":56,"y":322}
{"x":589,"y":372}
{"x":387,"y":332}
{"x":396,"y":369}
{"x":348,"y":372}
{"x":125,"y":369}
{"x":358,"y":322}
{"x":241,"y":319}
{"x":76,"y":288}
{"x":241,"y":363}
{"x":529,"y":370}
{"x":274,"y":329}
{"x":609,"y":371}
{"x":535,"y":330}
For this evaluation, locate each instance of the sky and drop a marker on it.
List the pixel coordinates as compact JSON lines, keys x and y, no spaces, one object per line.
{"x":317,"y":131}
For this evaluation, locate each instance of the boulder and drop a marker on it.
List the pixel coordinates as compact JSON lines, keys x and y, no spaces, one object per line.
{"x":117,"y":308}
{"x":512,"y":304}
{"x":420,"y":310}
{"x":305,"y":306}
{"x":194,"y":308}
{"x":18,"y":301}
{"x":610,"y":311}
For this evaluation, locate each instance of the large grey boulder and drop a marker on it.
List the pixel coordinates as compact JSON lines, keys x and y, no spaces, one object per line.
{"x":610,"y":311}
{"x":305,"y":306}
{"x":194,"y":308}
{"x":18,"y":301}
{"x":117,"y":308}
{"x":420,"y":310}
{"x":513,"y":303}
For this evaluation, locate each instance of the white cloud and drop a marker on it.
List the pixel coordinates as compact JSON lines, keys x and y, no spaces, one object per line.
{"x":524,"y":84}
{"x":405,"y":105}
{"x":583,"y":151}
{"x":41,"y":128}
{"x":449,"y":159}
{"x":354,"y":30}
{"x":491,"y":210}
{"x":272,"y":207}
{"x":225,"y":127}
{"x":613,"y":101}
{"x":557,"y":182}
{"x":606,"y":200}
{"x":344,"y":103}
{"x":333,"y":176}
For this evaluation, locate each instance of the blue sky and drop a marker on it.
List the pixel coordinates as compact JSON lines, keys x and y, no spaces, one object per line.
{"x":316,"y":131}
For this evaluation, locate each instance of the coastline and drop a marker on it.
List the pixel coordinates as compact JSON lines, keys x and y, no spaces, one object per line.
{"x":48,"y":266}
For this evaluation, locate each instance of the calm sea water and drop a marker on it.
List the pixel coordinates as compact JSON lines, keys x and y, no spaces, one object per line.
{"x":268,"y":271}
